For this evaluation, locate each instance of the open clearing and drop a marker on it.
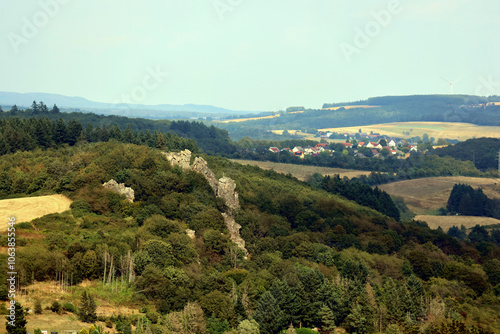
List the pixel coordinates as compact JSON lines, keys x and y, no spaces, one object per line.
{"x":302,"y":172}
{"x":28,"y":208}
{"x":426,"y":196}
{"x":461,"y":131}
{"x":448,"y":221}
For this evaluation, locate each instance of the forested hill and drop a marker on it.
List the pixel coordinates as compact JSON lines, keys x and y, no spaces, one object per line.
{"x":483,"y":152}
{"x":316,"y":259}
{"x":442,"y":108}
{"x":39,"y":121}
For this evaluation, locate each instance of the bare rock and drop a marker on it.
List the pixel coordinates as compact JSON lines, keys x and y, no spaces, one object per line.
{"x":226,"y":191}
{"x":120,"y":189}
{"x":182,"y":159}
{"x":234,"y":232}
{"x":200,"y":166}
{"x":191,"y":233}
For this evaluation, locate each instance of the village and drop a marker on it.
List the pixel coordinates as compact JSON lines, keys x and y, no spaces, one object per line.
{"x":361,"y":145}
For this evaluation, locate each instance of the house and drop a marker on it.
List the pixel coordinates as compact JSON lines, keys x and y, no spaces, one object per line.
{"x":392,"y":143}
{"x":360,"y":155}
{"x":297,"y":149}
{"x":274,"y":149}
{"x":347,"y":145}
{"x":373,"y":145}
{"x":361,"y":144}
{"x":413,"y":148}
{"x":286,"y":149}
{"x":321,"y":145}
{"x":299,"y":154}
{"x":375,"y":152}
{"x":393,"y":152}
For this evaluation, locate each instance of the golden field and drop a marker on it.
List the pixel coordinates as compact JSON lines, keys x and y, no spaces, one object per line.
{"x":28,"y":208}
{"x":302,"y":172}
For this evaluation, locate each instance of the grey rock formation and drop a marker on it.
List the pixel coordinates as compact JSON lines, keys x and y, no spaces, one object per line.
{"x":224,"y":188}
{"x":182,"y":159}
{"x":120,"y":189}
{"x":226,"y":191}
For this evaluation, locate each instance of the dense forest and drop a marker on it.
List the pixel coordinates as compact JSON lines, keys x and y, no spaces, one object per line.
{"x":210,"y":139}
{"x":315,"y":258}
{"x":483,"y":152}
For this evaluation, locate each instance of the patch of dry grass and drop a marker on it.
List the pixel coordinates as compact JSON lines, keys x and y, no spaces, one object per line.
{"x":28,"y":208}
{"x":448,"y":221}
{"x":302,"y":172}
{"x":423,"y":196}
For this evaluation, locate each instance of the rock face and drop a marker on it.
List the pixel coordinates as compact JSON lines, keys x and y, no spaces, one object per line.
{"x":182,"y":159}
{"x":120,"y":188}
{"x":224,"y":188}
{"x":226,"y":191}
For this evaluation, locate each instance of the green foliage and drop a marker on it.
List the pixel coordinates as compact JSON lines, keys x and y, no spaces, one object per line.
{"x":16,"y":319}
{"x":55,"y":307}
{"x":87,"y":311}
{"x":248,"y":327}
{"x":38,"y":307}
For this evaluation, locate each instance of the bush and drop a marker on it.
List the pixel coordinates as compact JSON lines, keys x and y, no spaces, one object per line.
{"x":109,"y":323}
{"x":55,"y":307}
{"x":24,"y":226}
{"x":38,"y":307}
{"x":69,"y":307}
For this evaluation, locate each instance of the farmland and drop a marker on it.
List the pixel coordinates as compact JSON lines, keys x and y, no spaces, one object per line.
{"x":445,"y":222}
{"x":302,"y":172}
{"x":460,"y":131}
{"x":28,"y":208}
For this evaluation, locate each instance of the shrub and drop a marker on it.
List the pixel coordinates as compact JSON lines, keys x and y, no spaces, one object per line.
{"x":38,"y":307}
{"x":55,"y":307}
{"x":69,"y":307}
{"x":109,"y":323}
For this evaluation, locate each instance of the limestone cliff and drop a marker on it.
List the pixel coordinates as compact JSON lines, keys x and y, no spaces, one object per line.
{"x":120,"y":188}
{"x":224,"y":188}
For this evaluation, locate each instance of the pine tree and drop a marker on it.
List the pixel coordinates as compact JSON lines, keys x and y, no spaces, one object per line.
{"x":327,"y":319}
{"x":16,"y":323}
{"x":270,"y":317}
{"x":287,"y":300}
{"x":87,"y":308}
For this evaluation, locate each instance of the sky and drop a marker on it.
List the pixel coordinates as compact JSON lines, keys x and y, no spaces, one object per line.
{"x":250,"y":55}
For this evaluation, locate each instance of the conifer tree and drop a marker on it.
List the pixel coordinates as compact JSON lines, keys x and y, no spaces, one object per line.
{"x":16,"y":323}
{"x":87,"y":308}
{"x":270,"y":317}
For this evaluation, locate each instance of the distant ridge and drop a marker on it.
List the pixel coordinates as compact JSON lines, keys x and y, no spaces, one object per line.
{"x":122,"y":109}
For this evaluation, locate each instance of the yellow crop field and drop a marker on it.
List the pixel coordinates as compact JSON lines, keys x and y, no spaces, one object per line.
{"x":449,"y":221}
{"x":28,"y":208}
{"x":460,"y":131}
{"x":423,"y":196}
{"x":302,"y":172}
{"x":351,"y":107}
{"x":248,"y":119}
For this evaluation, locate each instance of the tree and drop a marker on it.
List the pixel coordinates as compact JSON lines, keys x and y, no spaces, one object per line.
{"x":268,"y":314}
{"x":88,"y":308}
{"x":38,"y":306}
{"x":327,"y":319}
{"x":16,"y":321}
{"x":248,"y":327}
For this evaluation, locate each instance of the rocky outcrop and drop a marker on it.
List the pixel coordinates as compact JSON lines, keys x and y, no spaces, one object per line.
{"x":226,"y":191}
{"x":182,"y":159}
{"x":120,"y":189}
{"x":234,"y":231}
{"x":224,"y":188}
{"x":200,"y":166}
{"x":191,"y":233}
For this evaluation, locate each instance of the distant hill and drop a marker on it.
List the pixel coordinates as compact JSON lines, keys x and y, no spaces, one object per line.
{"x":386,"y":109}
{"x":76,"y":103}
{"x":482,"y":151}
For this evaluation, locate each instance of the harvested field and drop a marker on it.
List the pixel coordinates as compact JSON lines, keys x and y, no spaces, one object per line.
{"x":248,"y":119}
{"x":461,"y":131}
{"x":302,"y":172}
{"x":28,"y":208}
{"x":448,"y":221}
{"x":426,"y":196}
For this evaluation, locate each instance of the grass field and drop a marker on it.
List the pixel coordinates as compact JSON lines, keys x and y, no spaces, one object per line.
{"x":28,"y":208}
{"x":302,"y":172}
{"x":460,"y":131}
{"x":248,"y":119}
{"x":426,"y":196}
{"x":448,"y":221}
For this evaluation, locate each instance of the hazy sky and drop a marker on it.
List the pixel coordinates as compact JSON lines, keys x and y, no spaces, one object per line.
{"x":248,"y":54}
